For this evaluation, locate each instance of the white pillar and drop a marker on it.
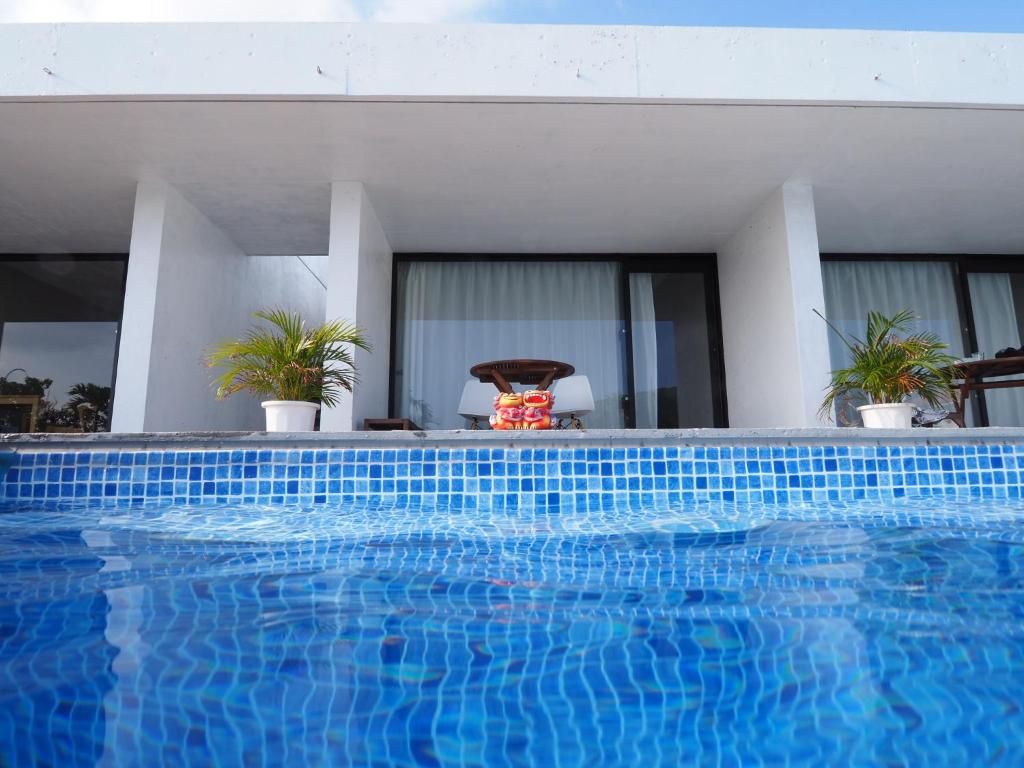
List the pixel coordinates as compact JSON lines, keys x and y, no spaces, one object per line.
{"x":359,"y":263}
{"x":132,"y":383}
{"x":189,"y":287}
{"x":776,"y":348}
{"x":182,"y":296}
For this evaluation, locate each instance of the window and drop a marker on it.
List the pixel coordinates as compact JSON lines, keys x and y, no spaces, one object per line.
{"x":973,"y":303}
{"x":59,"y":324}
{"x":997,"y":319}
{"x":639,"y":336}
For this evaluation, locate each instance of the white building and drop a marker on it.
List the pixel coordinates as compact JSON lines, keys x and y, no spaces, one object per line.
{"x":662,"y":208}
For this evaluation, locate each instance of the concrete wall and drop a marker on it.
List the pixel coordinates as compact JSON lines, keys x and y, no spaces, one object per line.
{"x":776,"y":348}
{"x":359,"y":290}
{"x":189,"y":286}
{"x":510,"y":61}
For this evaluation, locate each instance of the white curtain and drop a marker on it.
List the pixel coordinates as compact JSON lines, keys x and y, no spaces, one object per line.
{"x":995,"y":321}
{"x":645,"y":349}
{"x":453,"y":315}
{"x":853,"y":288}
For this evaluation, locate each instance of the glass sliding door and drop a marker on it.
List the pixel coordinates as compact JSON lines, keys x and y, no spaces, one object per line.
{"x":997,"y":313}
{"x":855,"y":287}
{"x":451,"y":315}
{"x":59,"y":324}
{"x":974,"y":303}
{"x":673,"y":356}
{"x":644,"y":331}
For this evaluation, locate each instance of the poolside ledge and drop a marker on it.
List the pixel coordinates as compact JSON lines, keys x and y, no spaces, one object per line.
{"x":555,"y":439}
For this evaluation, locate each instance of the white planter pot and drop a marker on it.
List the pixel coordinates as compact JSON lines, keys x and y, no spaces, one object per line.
{"x":290,"y":415}
{"x":887,"y":415}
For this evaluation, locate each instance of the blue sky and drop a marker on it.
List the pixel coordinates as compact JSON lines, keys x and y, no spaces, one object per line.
{"x":953,"y":15}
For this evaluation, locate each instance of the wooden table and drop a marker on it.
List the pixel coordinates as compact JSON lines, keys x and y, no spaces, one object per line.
{"x":972,"y":379}
{"x":539,"y":373}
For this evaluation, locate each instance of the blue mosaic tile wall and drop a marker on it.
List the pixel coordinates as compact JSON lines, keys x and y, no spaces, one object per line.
{"x":521,"y":477}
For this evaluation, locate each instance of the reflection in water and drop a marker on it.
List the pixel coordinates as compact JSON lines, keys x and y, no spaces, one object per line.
{"x":56,"y":660}
{"x":853,"y":635}
{"x":122,"y":705}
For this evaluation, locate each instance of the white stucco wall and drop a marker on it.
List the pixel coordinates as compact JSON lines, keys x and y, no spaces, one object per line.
{"x":776,"y":348}
{"x":359,"y":263}
{"x":509,"y":61}
{"x":189,"y":286}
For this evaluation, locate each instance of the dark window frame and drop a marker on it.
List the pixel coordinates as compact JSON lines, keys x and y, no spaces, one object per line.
{"x":705,"y":264}
{"x":963,"y":264}
{"x":121,"y":257}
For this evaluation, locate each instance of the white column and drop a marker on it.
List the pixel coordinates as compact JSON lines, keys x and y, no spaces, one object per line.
{"x":189,"y":287}
{"x":359,"y":263}
{"x":132,"y":383}
{"x":776,"y":348}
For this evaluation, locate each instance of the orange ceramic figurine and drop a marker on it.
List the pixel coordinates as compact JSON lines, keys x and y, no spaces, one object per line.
{"x":537,"y":405}
{"x":508,"y":411}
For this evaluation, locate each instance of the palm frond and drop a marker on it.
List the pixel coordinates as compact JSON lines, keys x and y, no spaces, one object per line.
{"x":850,"y":341}
{"x":85,"y":393}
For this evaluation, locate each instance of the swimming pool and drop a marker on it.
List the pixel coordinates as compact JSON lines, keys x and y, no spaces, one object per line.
{"x":848,"y":633}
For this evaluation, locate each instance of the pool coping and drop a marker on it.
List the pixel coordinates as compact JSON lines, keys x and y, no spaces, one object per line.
{"x":596,"y":438}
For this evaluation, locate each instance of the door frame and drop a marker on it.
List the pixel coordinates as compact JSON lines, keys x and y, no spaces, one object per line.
{"x":705,"y":264}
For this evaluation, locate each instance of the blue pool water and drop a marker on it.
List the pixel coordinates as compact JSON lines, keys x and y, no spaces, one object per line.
{"x":851,"y":634}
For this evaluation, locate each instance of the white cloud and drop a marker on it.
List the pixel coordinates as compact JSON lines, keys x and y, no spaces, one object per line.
{"x":241,"y":10}
{"x":428,"y":10}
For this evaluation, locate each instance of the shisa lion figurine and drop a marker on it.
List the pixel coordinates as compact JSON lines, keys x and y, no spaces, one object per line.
{"x":537,"y":405}
{"x":508,"y":411}
{"x":513,"y":411}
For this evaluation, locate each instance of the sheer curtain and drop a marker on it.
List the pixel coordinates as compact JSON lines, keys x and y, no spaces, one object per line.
{"x":453,"y":315}
{"x":645,"y":349}
{"x":995,"y":321}
{"x":853,"y":288}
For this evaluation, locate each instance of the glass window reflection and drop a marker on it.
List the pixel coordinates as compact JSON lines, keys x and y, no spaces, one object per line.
{"x":59,"y":325}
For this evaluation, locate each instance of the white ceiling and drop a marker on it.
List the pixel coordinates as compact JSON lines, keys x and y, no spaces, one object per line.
{"x":506,"y":177}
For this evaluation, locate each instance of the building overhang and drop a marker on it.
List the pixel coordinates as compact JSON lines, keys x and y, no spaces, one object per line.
{"x":511,"y":138}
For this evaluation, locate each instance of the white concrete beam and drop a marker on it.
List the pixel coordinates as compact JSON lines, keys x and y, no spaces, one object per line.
{"x":776,"y":348}
{"x":505,"y":61}
{"x":359,"y":263}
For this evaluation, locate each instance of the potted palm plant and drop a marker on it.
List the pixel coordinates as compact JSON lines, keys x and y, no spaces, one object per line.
{"x":297,"y":368}
{"x":890,"y":365}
